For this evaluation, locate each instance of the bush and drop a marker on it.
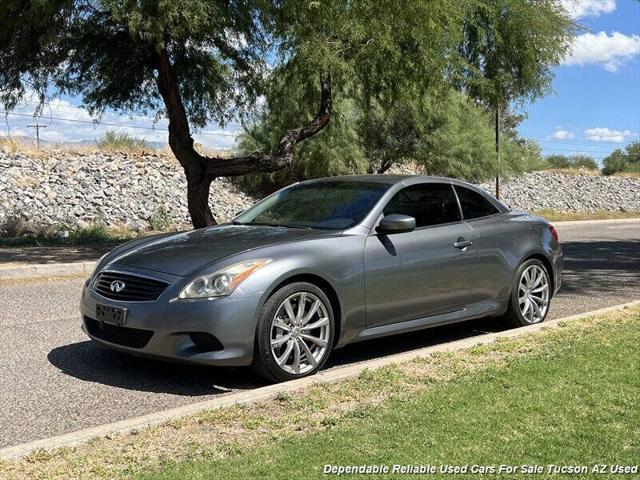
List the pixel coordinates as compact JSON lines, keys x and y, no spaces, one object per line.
{"x":160,"y":219}
{"x":623,"y":161}
{"x":573,"y":161}
{"x":16,"y":231}
{"x":114,"y":141}
{"x":13,"y":226}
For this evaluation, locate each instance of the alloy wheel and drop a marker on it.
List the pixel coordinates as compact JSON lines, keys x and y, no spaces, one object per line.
{"x":300,"y":333}
{"x":533,"y":294}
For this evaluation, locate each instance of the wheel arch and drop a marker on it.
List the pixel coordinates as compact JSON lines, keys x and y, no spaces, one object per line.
{"x":322,"y":284}
{"x":548,"y":265}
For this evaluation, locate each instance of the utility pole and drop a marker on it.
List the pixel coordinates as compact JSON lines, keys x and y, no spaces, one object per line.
{"x":498,"y":152}
{"x":37,"y":126}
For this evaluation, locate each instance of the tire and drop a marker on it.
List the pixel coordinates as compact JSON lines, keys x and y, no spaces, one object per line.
{"x":298,"y":351}
{"x":533,"y":287}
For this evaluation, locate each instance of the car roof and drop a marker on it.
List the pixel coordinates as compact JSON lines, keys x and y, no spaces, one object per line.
{"x":383,"y":178}
{"x":409,"y":180}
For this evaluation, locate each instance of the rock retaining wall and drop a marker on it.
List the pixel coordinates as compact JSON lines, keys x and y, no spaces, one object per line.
{"x":72,"y":189}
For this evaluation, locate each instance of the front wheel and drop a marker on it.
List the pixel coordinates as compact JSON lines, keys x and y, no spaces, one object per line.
{"x":294,"y":334}
{"x":531,"y":294}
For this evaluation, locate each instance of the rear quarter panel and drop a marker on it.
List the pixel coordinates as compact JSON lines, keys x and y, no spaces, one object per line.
{"x":504,"y":241}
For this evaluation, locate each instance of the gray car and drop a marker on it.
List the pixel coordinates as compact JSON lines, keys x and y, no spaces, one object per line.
{"x":319,"y":265}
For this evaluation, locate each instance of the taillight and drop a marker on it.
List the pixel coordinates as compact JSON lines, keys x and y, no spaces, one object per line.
{"x":554,"y":232}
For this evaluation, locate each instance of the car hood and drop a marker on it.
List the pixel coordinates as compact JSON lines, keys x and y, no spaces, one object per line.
{"x":183,"y":253}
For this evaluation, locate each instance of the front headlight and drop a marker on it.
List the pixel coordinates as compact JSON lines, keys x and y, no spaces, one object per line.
{"x":97,"y":266}
{"x":222,"y":282}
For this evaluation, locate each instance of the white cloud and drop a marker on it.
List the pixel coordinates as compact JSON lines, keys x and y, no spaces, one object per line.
{"x":73,"y":124}
{"x":588,"y":8}
{"x":563,"y":135}
{"x":600,"y":134}
{"x":609,"y":51}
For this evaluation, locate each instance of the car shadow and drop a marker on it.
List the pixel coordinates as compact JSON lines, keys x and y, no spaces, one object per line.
{"x":382,"y":347}
{"x":91,"y":362}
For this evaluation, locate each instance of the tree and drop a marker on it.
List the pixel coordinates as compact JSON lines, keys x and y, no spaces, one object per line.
{"x":446,"y":134}
{"x":558,"y":161}
{"x":584,"y":161}
{"x":201,"y":61}
{"x":510,"y":48}
{"x":627,"y":160}
{"x":573,"y":161}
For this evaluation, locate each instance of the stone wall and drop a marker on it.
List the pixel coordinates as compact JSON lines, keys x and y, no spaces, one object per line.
{"x":59,"y":187}
{"x":572,"y":193}
{"x":71,"y":189}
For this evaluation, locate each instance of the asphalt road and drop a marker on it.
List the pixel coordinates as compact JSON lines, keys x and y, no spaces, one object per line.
{"x":53,"y":380}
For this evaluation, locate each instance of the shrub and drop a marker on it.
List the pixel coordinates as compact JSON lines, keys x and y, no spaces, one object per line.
{"x":623,"y":161}
{"x":160,"y":219}
{"x":13,"y":226}
{"x":114,"y":141}
{"x":574,"y":161}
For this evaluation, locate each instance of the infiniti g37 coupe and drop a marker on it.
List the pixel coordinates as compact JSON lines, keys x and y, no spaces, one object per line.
{"x":321,"y":264}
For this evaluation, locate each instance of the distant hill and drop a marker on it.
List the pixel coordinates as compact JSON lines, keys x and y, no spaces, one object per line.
{"x":31,"y":141}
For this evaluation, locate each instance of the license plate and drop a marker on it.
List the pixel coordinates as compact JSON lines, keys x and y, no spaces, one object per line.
{"x":108,"y":314}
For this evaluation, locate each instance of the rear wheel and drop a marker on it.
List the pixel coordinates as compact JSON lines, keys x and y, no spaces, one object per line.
{"x":295,"y":333}
{"x":531,"y":294}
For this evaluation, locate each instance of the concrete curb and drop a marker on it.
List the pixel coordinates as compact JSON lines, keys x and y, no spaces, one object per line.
{"x":568,"y":223}
{"x":44,"y":270}
{"x":270,"y":391}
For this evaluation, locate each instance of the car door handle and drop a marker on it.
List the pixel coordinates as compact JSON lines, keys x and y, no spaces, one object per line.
{"x":462,"y":243}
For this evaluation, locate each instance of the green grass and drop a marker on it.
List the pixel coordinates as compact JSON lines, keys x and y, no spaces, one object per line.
{"x":566,"y":394}
{"x":559,"y":216}
{"x":575,"y":402}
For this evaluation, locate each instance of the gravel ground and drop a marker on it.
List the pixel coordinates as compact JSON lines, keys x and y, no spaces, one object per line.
{"x":53,"y":380}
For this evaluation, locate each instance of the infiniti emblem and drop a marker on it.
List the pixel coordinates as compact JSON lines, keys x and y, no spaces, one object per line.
{"x":117,"y":286}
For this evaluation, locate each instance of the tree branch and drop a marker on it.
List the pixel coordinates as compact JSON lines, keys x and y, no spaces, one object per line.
{"x":263,"y":162}
{"x":201,"y":170}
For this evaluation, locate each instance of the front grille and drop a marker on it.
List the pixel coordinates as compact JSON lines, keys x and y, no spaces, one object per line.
{"x":136,"y":289}
{"x":125,"y":336}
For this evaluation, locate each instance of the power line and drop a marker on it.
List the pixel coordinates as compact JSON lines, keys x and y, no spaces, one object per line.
{"x":120,"y":125}
{"x":538,"y":136}
{"x":82,"y":110}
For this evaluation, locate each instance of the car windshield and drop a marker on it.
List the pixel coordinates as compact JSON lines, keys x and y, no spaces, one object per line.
{"x":332,"y":205}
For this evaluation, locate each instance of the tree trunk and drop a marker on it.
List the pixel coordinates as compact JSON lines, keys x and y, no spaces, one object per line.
{"x":198,"y":202}
{"x":202,"y":170}
{"x":384,"y":166}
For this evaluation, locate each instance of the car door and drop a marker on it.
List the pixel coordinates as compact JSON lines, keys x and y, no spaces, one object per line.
{"x":427,"y":271}
{"x":496,"y":240}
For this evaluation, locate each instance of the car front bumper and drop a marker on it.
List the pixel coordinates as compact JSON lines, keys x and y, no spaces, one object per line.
{"x":162,"y":328}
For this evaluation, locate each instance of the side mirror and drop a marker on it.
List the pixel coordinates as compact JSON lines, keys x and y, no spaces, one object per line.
{"x":396,"y":223}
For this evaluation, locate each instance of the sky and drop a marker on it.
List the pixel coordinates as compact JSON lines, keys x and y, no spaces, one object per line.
{"x":594,"y":107}
{"x":595,"y":104}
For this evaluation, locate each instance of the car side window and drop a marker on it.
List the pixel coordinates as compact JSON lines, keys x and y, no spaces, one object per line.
{"x":429,"y":203}
{"x":474,"y":205}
